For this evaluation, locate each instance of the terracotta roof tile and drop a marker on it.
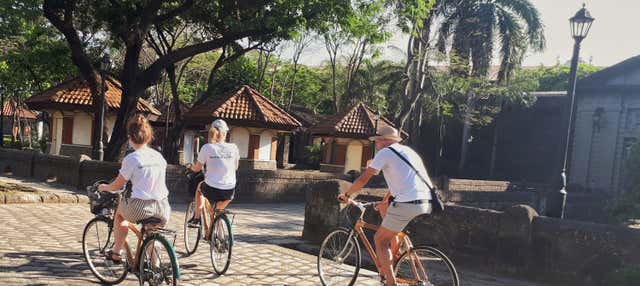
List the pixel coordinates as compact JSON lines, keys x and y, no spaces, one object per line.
{"x":76,"y":92}
{"x":10,"y":107}
{"x":355,"y":122}
{"x":244,"y":106}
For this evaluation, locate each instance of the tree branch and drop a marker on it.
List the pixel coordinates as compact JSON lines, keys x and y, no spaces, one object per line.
{"x":173,"y":13}
{"x":150,"y":75}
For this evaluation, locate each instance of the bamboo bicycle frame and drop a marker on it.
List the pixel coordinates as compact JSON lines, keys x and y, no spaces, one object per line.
{"x":210,"y":214}
{"x":132,"y":259}
{"x":416,"y":267}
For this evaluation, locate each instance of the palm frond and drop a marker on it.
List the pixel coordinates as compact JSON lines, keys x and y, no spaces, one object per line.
{"x":529,"y":13}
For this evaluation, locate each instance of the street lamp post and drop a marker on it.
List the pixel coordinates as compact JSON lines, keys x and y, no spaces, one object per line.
{"x":376,"y":117}
{"x":98,"y":147}
{"x":580,"y":25}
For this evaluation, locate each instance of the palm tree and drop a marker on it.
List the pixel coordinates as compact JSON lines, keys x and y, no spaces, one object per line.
{"x":473,"y":29}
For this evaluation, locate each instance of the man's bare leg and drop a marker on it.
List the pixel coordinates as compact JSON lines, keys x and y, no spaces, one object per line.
{"x":383,"y":238}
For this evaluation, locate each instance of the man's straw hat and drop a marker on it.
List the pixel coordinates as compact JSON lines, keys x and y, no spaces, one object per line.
{"x":387,"y":132}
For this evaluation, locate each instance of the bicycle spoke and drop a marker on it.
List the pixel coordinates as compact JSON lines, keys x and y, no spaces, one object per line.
{"x":95,"y":240}
{"x":336,"y":252}
{"x":426,"y":266}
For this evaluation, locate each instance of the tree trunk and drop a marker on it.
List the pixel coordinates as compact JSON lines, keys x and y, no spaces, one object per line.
{"x":496,"y":136}
{"x":466,"y":131}
{"x":172,"y":141}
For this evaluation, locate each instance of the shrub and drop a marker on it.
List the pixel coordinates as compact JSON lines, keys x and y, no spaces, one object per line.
{"x":626,"y":276}
{"x":312,"y":155}
{"x":627,"y":205}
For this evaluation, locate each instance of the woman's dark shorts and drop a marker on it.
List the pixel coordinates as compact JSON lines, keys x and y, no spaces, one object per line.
{"x":214,"y":194}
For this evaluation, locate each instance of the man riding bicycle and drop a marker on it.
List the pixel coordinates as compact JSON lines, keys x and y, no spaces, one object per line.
{"x":408,"y":195}
{"x":221,"y":160}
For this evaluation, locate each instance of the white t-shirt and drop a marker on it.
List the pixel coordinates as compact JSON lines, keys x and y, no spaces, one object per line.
{"x":146,"y":169}
{"x":404,"y":184}
{"x":220,"y":162}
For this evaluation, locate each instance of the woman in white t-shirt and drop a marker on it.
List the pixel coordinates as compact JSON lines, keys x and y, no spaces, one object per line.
{"x":146,"y":169}
{"x":221,"y":162}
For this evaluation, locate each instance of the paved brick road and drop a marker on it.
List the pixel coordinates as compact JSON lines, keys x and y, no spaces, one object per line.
{"x":40,"y":244}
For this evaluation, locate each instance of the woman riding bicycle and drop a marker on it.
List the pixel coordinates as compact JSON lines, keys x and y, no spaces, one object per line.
{"x":146,"y":169}
{"x":221,"y":161}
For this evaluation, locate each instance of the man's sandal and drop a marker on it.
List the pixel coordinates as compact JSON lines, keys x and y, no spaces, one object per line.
{"x":109,"y":255}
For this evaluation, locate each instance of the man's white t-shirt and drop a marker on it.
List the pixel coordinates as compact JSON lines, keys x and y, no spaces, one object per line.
{"x":404,"y":184}
{"x":146,"y":169}
{"x":220,"y":161}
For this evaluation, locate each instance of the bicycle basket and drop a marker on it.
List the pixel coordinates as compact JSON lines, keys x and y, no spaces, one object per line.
{"x":101,"y":202}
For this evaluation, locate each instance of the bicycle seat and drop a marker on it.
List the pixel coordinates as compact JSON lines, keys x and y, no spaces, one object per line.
{"x":151,"y":220}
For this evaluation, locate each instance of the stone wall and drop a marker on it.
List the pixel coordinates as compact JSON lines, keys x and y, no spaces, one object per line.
{"x":253,"y":185}
{"x":92,"y":171}
{"x":16,"y":162}
{"x":276,"y":186}
{"x":248,"y":164}
{"x":497,"y":200}
{"x":516,"y":241}
{"x":74,"y":150}
{"x":53,"y":168}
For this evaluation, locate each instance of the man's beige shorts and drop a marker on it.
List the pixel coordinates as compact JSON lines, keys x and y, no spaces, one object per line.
{"x":400,"y":214}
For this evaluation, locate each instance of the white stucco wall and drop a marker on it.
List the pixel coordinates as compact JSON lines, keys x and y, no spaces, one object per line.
{"x":353,"y":158}
{"x":265,"y":145}
{"x":56,"y":134}
{"x":240,"y":137}
{"x":82,"y":123}
{"x":187,"y":147}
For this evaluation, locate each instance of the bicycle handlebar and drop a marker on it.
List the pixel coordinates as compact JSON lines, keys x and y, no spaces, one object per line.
{"x":360,"y":205}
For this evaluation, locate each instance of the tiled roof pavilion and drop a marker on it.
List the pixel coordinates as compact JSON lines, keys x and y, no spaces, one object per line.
{"x":10,"y":107}
{"x":355,"y":122}
{"x":244,"y":106}
{"x":75,"y":93}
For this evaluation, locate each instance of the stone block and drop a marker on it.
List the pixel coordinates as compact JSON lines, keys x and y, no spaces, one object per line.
{"x":322,"y":210}
{"x":58,"y":169}
{"x":248,"y":164}
{"x":67,"y":198}
{"x":514,"y":238}
{"x":16,"y":162}
{"x":49,"y":198}
{"x":22,"y":198}
{"x":91,"y":171}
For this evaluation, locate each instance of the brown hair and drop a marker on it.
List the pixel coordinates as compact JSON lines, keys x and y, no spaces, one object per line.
{"x":138,"y":130}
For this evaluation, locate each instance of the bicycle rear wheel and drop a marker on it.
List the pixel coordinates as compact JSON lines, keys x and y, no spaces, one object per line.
{"x":97,"y":238}
{"x":192,"y":235}
{"x":339,"y":259}
{"x":157,"y":264}
{"x":426,"y":266}
{"x":220,"y":244}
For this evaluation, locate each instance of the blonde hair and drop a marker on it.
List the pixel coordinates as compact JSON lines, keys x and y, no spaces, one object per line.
{"x":139,"y":131}
{"x":216,"y":135}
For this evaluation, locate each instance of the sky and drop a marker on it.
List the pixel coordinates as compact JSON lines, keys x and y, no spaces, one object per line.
{"x":612,"y":39}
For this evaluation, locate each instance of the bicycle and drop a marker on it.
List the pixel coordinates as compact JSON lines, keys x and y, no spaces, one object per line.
{"x":413,"y":265}
{"x":154,"y":260}
{"x":217,"y":229}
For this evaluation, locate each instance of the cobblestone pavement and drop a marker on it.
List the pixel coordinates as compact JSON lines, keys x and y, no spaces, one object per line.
{"x":40,"y":244}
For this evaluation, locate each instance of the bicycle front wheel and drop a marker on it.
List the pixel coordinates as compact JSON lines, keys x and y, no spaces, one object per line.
{"x":339,"y":259}
{"x":220,"y":244}
{"x":97,"y":238}
{"x":192,"y":235}
{"x":157,"y":264}
{"x":426,"y":266}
